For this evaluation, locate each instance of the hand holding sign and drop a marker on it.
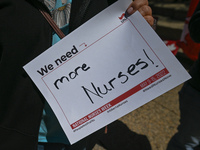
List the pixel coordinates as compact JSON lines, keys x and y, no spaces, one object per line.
{"x":143,"y":8}
{"x":124,"y":66}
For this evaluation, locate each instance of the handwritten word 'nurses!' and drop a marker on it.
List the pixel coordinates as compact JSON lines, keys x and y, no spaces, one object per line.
{"x":58,"y":61}
{"x":132,"y":70}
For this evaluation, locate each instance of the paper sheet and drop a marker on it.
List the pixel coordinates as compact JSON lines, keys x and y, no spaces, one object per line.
{"x":105,"y":69}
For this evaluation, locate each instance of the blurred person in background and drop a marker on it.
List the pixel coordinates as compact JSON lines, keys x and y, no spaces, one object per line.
{"x":188,"y":135}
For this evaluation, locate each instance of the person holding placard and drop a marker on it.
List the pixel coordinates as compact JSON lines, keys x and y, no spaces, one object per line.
{"x":24,"y":35}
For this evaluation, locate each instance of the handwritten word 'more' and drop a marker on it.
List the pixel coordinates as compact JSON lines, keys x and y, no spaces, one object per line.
{"x":71,"y":75}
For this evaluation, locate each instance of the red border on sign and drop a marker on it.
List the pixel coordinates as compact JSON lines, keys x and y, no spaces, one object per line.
{"x":120,"y":98}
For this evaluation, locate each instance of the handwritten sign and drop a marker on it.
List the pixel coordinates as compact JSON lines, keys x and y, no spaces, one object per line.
{"x":105,"y":69}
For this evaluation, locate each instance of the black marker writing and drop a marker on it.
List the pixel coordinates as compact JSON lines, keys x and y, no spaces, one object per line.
{"x":98,"y":91}
{"x":149,"y":57}
{"x":72,"y":75}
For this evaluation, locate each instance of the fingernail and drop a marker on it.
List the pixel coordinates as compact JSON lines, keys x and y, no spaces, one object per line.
{"x":128,"y":12}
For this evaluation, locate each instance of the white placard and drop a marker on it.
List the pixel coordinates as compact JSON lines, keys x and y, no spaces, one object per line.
{"x":105,"y":69}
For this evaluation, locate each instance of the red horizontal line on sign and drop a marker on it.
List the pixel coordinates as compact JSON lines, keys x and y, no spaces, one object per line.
{"x":120,"y":98}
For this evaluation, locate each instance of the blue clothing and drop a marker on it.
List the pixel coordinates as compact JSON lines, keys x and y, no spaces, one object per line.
{"x":50,"y":129}
{"x":65,"y":30}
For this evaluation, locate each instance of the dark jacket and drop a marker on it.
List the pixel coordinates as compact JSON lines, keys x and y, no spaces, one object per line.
{"x":24,"y":34}
{"x":194,"y":29}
